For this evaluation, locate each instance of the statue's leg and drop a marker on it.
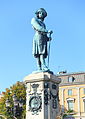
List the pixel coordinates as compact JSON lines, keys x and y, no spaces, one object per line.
{"x":39,"y":63}
{"x":43,"y":64}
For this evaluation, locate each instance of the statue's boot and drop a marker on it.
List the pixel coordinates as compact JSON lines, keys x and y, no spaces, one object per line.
{"x":43,"y":64}
{"x":39,"y":64}
{"x":39,"y":68}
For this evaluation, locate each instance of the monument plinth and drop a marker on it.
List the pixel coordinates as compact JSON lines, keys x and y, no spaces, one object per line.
{"x":42,"y":96}
{"x":42,"y":86}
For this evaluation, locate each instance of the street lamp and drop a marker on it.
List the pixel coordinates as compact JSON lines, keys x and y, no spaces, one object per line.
{"x":7,"y":103}
{"x":17,"y":106}
{"x":8,"y":106}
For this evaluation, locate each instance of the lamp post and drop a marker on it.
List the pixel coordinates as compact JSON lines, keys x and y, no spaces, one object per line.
{"x":17,"y":107}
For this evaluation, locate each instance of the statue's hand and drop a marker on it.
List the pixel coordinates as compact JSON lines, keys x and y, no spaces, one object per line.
{"x":49,"y":34}
{"x":50,"y":38}
{"x":50,"y":31}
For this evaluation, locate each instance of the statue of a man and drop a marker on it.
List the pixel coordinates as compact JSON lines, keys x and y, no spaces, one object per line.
{"x":40,"y":39}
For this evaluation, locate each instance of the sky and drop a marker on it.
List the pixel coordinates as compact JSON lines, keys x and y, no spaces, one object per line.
{"x":67,"y":20}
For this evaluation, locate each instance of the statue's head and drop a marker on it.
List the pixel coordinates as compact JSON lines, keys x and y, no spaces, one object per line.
{"x":41,"y":10}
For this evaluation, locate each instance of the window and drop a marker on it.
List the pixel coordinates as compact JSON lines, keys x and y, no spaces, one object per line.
{"x":84,"y":90}
{"x":84,"y":105}
{"x":70,"y":92}
{"x":70,"y":79}
{"x":70,"y":105}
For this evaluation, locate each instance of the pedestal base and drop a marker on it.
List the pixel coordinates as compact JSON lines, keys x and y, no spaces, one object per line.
{"x":42,"y":96}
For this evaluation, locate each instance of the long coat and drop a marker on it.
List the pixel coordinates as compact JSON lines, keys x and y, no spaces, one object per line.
{"x":40,"y":38}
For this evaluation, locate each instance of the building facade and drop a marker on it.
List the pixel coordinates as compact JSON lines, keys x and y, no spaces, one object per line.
{"x":72,"y":95}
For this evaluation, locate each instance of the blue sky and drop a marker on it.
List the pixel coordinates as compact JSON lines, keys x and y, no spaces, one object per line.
{"x":67,"y":20}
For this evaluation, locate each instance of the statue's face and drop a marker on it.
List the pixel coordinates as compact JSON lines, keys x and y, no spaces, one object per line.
{"x":41,"y":15}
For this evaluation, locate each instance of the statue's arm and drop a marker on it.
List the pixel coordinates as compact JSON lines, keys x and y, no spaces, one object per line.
{"x":37,"y":26}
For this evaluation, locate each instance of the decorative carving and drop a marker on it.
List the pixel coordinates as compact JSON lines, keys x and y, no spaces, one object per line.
{"x":35,"y":86}
{"x":35,"y":101}
{"x":45,"y":97}
{"x":35,"y":104}
{"x":46,"y":85}
{"x":54,"y":103}
{"x":54,"y":95}
{"x":54,"y":86}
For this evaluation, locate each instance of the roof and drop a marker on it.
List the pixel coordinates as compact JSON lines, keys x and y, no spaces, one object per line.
{"x":72,"y":78}
{"x":72,"y":73}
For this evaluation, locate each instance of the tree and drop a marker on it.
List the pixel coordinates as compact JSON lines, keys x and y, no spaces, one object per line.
{"x":20,"y":90}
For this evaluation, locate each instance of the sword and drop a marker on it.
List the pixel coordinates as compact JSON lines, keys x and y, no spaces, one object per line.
{"x":49,"y":46}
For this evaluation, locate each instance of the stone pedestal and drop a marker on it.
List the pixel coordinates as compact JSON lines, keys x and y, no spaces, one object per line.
{"x":42,"y":96}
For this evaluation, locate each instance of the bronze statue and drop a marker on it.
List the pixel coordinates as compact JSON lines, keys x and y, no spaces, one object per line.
{"x":41,"y":38}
